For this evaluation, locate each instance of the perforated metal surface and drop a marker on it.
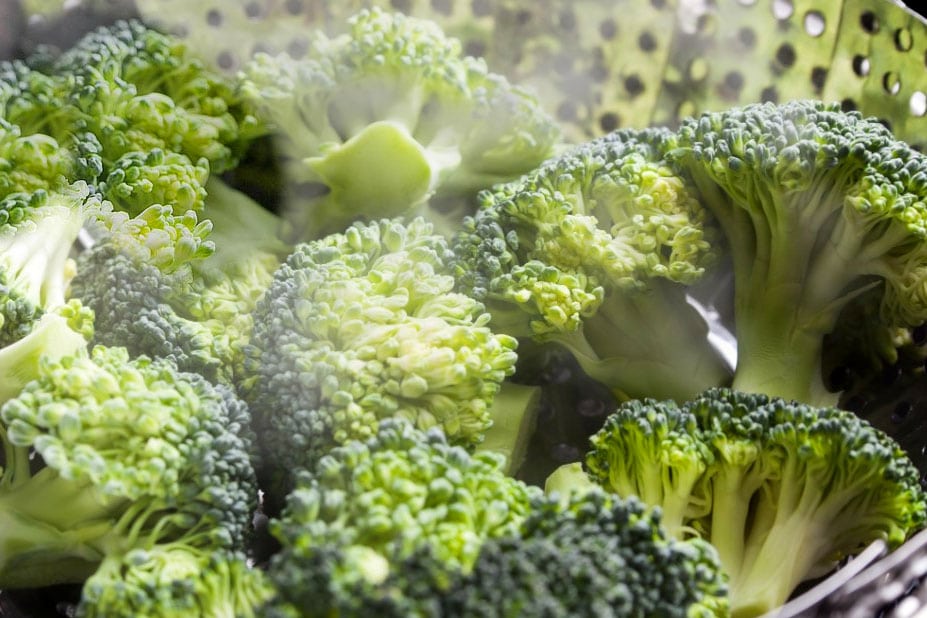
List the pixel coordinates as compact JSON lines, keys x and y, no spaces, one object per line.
{"x":600,"y":64}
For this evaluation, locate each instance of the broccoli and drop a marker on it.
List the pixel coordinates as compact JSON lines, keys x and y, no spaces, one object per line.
{"x":783,"y":490}
{"x":818,"y":206}
{"x":37,"y":232}
{"x":373,"y":122}
{"x":174,"y":580}
{"x":594,"y":555}
{"x":32,"y":162}
{"x":593,"y":251}
{"x":159,"y":286}
{"x":364,"y":325}
{"x":141,"y":455}
{"x":382,"y":526}
{"x":136,"y":89}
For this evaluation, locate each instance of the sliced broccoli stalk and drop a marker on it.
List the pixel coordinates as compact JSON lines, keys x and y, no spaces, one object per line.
{"x":373,"y":122}
{"x":140,"y":453}
{"x":37,"y":232}
{"x":818,"y":205}
{"x":52,"y":336}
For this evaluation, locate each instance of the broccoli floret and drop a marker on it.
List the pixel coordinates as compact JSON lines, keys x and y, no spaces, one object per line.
{"x":159,"y":285}
{"x":31,"y":162}
{"x":783,"y":490}
{"x":595,"y":555}
{"x":34,"y":101}
{"x":593,"y":251}
{"x":373,"y":122}
{"x":133,"y":454}
{"x":174,"y":580}
{"x":139,"y":179}
{"x":361,"y":326}
{"x":818,"y":206}
{"x":137,"y":89}
{"x":382,"y":527}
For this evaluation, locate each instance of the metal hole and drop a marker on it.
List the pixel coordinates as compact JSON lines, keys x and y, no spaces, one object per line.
{"x":782,"y":9}
{"x":214,"y":17}
{"x":918,"y":104}
{"x":814,"y":23}
{"x":891,"y":82}
{"x":869,"y":22}
{"x":904,"y":40}
{"x":861,"y":65}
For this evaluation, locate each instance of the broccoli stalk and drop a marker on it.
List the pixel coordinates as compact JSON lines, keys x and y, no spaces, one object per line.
{"x":514,"y":414}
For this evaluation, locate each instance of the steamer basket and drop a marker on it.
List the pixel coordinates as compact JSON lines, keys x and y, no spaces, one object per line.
{"x":599,"y":65}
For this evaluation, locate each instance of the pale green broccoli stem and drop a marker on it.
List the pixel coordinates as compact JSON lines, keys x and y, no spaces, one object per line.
{"x":801,"y":534}
{"x":569,"y":481}
{"x":738,"y":477}
{"x":39,"y":541}
{"x":51,"y":338}
{"x":648,"y":343}
{"x":788,"y":286}
{"x":514,"y":412}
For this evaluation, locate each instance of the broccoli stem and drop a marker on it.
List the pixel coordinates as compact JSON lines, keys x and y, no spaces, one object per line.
{"x":380,"y":172}
{"x":648,"y":343}
{"x":794,"y":262}
{"x":514,"y":416}
{"x":51,"y":531}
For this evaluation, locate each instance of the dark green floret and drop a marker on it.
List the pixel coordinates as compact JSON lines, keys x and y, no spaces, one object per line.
{"x":384,"y":526}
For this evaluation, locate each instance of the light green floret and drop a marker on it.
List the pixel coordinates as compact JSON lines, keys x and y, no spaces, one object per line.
{"x":594,"y":250}
{"x":138,"y":180}
{"x":174,"y":581}
{"x":818,"y":205}
{"x":138,"y":452}
{"x":365,"y":325}
{"x":374,"y":122}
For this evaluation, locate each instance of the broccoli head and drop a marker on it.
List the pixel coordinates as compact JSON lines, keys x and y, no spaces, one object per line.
{"x":593,"y":250}
{"x":383,"y":526}
{"x":593,"y":555}
{"x":139,"y":452}
{"x":365,"y":325}
{"x":160,"y":287}
{"x":373,"y":122}
{"x":174,"y":580}
{"x":818,"y":205}
{"x":782,"y":490}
